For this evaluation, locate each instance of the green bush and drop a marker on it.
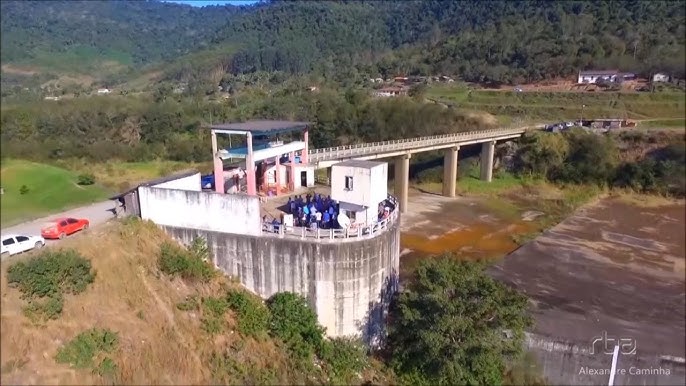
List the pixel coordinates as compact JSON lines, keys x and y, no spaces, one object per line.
{"x":177,"y":261}
{"x":44,"y":279}
{"x":294,"y":322}
{"x":215,"y":306}
{"x":252,"y":316}
{"x":81,"y":351}
{"x":23,"y":189}
{"x":344,"y":358}
{"x":85,"y":179}
{"x":48,"y":309}
{"x":51,"y":273}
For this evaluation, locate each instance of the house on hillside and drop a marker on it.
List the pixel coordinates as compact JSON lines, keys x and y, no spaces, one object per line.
{"x":660,"y":77}
{"x":390,"y":92}
{"x":595,"y":76}
{"x":103,"y":91}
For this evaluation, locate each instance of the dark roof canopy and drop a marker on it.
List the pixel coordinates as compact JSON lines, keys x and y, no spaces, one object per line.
{"x":263,"y":127}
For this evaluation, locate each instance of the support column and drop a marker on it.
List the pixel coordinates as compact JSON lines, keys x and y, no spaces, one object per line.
{"x":450,"y":171}
{"x":218,"y":166}
{"x":250,"y":167}
{"x":277,"y":177}
{"x":328,"y":175}
{"x":402,"y":180}
{"x":291,"y":183}
{"x":487,"y":151}
{"x":306,"y":139}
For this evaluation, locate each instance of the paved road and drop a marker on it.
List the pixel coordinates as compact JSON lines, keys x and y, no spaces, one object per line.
{"x":97,"y":214}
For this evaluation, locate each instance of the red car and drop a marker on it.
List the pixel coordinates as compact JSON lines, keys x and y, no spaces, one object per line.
{"x":61,"y":227}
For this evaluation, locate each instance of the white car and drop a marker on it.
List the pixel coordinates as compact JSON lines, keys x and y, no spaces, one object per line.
{"x":13,"y":244}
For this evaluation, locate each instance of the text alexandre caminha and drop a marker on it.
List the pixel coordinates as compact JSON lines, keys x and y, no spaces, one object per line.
{"x":621,"y":371}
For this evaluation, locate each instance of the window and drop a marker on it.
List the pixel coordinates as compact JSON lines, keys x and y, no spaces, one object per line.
{"x":9,"y":241}
{"x":348,"y":183}
{"x":21,"y":239}
{"x":72,"y":221}
{"x":63,"y":224}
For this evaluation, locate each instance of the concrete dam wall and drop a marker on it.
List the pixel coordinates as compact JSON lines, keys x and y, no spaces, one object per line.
{"x":348,"y":282}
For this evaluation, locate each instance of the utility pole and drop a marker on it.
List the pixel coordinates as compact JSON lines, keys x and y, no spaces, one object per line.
{"x":581,"y":121}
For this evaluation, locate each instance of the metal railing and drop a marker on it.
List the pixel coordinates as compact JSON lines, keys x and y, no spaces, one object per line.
{"x":358,"y":232}
{"x":332,"y":153}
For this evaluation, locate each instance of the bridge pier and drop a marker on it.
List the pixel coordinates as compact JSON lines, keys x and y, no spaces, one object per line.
{"x":450,"y":171}
{"x":487,"y":152}
{"x":402,"y":180}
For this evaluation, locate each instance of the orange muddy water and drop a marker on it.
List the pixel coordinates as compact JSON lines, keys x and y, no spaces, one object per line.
{"x":467,"y":227}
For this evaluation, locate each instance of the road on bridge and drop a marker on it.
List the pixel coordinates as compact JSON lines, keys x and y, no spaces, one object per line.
{"x":98,"y":214}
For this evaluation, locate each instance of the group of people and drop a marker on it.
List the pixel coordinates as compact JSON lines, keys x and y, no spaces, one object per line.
{"x":316,"y":211}
{"x":313,"y":211}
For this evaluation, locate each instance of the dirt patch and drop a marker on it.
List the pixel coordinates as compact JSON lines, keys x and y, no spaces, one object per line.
{"x":7,"y":68}
{"x":612,"y":267}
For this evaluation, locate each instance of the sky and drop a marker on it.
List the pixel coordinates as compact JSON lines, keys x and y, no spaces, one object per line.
{"x":202,"y":3}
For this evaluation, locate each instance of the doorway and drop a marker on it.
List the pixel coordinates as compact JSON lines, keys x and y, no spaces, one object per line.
{"x":303,"y":179}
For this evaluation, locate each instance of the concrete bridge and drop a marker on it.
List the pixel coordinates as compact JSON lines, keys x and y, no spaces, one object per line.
{"x":403,"y":149}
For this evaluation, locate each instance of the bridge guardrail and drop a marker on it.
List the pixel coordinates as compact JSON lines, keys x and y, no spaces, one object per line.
{"x":359,"y":149}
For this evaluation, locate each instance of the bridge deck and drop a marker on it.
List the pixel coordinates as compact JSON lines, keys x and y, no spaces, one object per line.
{"x":390,"y":148}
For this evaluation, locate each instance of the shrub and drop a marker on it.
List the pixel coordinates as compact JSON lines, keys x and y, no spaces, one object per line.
{"x":294,"y":322}
{"x":177,"y":261}
{"x":48,"y":309}
{"x":52,"y":273}
{"x":86,"y":179}
{"x":345,"y":358}
{"x":81,"y":351}
{"x":23,"y":189}
{"x":44,"y":279}
{"x":252,"y":316}
{"x":215,"y":306}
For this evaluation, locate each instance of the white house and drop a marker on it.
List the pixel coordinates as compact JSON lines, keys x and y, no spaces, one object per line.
{"x":359,"y":187}
{"x":596,"y":76}
{"x":102,"y":91}
{"x":660,"y":77}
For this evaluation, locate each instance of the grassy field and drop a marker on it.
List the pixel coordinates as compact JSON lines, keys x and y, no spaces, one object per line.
{"x":53,"y":188}
{"x":49,"y":189}
{"x":564,"y":105}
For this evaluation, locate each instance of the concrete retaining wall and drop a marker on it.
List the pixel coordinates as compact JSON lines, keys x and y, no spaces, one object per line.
{"x":191,"y":183}
{"x":232,"y":213}
{"x":348,"y":284}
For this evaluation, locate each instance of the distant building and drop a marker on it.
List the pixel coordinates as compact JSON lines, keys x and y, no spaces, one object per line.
{"x":400,"y":79}
{"x":660,"y":77}
{"x":52,"y":98}
{"x":592,"y":77}
{"x":390,"y":92}
{"x":628,"y":76}
{"x":102,"y":91}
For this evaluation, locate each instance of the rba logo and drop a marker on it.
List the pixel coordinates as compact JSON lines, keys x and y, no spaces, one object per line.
{"x":606,"y":344}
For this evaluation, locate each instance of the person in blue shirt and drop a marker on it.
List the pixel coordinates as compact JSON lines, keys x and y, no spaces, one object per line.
{"x":326,"y":218}
{"x":306,"y":210}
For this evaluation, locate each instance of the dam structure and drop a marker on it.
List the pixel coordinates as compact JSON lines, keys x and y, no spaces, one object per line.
{"x":340,"y":250}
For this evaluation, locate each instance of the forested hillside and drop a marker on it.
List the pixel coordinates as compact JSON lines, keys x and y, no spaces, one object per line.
{"x":501,"y":41}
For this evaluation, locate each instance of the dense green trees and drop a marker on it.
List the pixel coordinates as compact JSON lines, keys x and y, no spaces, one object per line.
{"x":135,"y":129}
{"x":495,"y":41}
{"x":454,"y":325}
{"x":581,"y":157}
